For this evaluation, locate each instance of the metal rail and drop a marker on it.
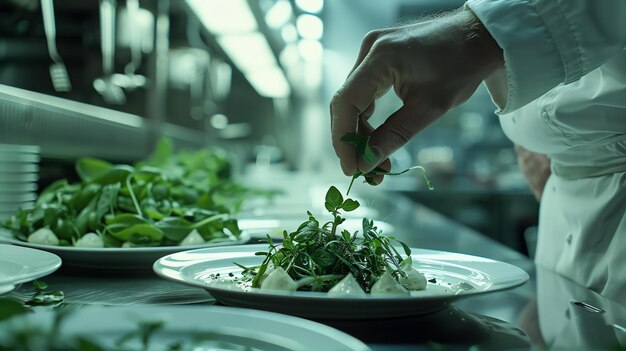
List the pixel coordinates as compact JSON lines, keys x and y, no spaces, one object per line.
{"x":67,"y":129}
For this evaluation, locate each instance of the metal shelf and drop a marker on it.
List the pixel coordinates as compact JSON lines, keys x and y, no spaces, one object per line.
{"x":68,"y":129}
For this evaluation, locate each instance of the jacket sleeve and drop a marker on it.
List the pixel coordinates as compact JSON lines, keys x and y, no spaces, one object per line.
{"x":549,"y":42}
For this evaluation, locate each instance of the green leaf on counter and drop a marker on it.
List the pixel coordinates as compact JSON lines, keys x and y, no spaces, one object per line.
{"x":39,"y":285}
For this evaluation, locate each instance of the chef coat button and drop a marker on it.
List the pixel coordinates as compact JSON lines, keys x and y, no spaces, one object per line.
{"x":514,"y":121}
{"x":568,"y":238}
{"x":553,"y":188}
{"x":544,"y":115}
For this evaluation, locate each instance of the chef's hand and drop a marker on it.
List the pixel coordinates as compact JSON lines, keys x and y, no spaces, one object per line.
{"x":535,"y":167}
{"x":433,"y":66}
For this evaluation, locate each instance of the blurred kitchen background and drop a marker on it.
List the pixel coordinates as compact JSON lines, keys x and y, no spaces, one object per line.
{"x":108,"y":78}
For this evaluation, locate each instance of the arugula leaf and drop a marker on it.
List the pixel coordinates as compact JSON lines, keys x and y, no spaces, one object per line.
{"x":148,"y":231}
{"x":90,"y":168}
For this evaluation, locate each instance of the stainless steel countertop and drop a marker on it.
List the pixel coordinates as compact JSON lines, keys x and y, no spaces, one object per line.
{"x":542,"y":312}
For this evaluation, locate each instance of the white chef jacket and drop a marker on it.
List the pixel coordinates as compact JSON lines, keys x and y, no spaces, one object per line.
{"x":562,"y":92}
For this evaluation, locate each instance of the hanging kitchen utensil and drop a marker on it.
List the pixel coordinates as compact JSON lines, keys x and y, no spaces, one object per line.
{"x":58,"y":72}
{"x":130,"y":18}
{"x":111,"y":93}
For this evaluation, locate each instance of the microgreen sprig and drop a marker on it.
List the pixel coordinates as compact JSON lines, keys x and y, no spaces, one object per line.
{"x":362,"y":148}
{"x":316,"y":256}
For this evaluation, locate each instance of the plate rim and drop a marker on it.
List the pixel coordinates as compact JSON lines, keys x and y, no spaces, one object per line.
{"x":26,"y":276}
{"x":305,"y":325}
{"x":245,"y":237}
{"x":323,"y":297}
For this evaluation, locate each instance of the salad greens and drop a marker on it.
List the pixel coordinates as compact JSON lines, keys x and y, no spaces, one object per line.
{"x":361,"y":144}
{"x":318,"y":255}
{"x":169,"y":199}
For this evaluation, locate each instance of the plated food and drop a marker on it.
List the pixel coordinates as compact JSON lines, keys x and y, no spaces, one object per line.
{"x":171,"y":199}
{"x":325,"y":257}
{"x":323,"y":271}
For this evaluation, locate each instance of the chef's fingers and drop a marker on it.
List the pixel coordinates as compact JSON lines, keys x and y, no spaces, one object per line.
{"x":366,"y":45}
{"x":366,"y":129}
{"x":398,"y":129}
{"x":386,"y":165}
{"x":350,"y":102}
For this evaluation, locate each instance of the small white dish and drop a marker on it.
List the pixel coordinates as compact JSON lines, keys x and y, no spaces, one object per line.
{"x":225,"y":328}
{"x":199,"y":267}
{"x":21,"y":264}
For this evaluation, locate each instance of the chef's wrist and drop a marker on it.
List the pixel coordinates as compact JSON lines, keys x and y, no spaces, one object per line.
{"x":480,"y":47}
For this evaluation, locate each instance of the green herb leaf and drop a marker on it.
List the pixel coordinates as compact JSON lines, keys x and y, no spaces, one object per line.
{"x":367,"y":153}
{"x":90,"y":168}
{"x":148,"y":231}
{"x":350,"y":205}
{"x":353,"y":138}
{"x":174,"y":228}
{"x":117,"y":174}
{"x":323,"y":258}
{"x":334,"y":198}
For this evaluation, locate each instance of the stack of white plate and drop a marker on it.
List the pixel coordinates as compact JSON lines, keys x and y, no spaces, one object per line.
{"x":18,"y":178}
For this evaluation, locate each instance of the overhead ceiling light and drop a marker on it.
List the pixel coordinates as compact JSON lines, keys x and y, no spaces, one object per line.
{"x":279,"y":14}
{"x":311,"y":50}
{"x":289,"y":33}
{"x":247,"y":51}
{"x":224,"y":16}
{"x":312,"y":6}
{"x":269,"y":82}
{"x":310,"y":27}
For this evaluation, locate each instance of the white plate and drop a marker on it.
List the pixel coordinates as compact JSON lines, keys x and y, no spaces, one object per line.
{"x":114,"y":258}
{"x":21,"y":264}
{"x":240,"y":328}
{"x":485,"y":275}
{"x":6,"y":288}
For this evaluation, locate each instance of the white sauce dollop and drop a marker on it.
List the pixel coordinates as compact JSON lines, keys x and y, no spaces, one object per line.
{"x":278,"y":279}
{"x":193,"y":238}
{"x":347,"y":286}
{"x":413,"y":279}
{"x":387,"y":284}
